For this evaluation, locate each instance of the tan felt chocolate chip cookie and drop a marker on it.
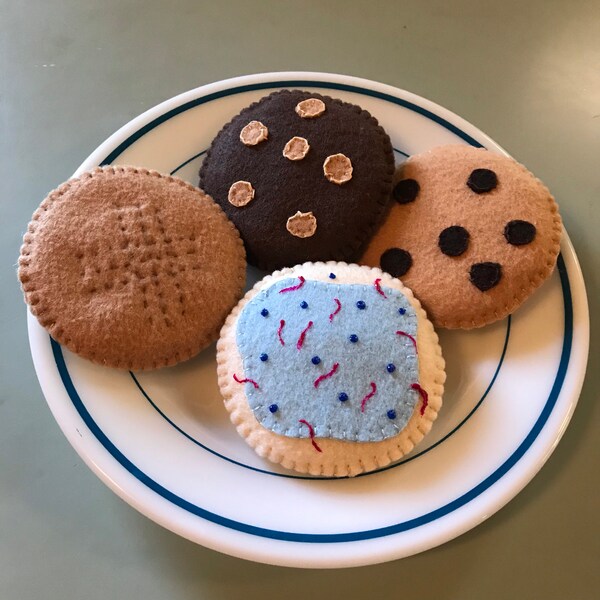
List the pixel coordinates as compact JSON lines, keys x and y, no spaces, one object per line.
{"x":130,"y":268}
{"x":472,"y":233}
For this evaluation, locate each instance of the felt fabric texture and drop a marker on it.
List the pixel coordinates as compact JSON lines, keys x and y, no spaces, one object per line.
{"x":347,"y":214}
{"x":337,"y":458}
{"x":130,"y":268}
{"x":362,"y":341}
{"x":444,"y":283}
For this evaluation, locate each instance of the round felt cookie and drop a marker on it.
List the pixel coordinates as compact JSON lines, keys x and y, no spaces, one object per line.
{"x":130,"y":268}
{"x":330,"y":369}
{"x":472,"y":233}
{"x":302,"y":176}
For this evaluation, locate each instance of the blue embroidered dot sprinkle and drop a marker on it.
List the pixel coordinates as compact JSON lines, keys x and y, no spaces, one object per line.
{"x":402,"y":311}
{"x":315,"y":360}
{"x":343,"y":397}
{"x":304,"y":304}
{"x":331,"y":275}
{"x":391,"y":368}
{"x":391,"y":414}
{"x":361,"y":305}
{"x":274,"y":408}
{"x":264,"y":312}
{"x":353,"y":338}
{"x":264,"y":357}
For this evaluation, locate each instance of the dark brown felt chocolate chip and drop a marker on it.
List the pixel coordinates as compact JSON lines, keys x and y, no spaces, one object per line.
{"x":396,"y":262}
{"x":406,"y":191}
{"x":519,"y":233}
{"x":485,"y":275}
{"x":482,"y":181}
{"x":454,"y":240}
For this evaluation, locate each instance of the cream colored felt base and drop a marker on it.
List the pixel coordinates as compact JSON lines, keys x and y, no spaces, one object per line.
{"x":338,"y":458}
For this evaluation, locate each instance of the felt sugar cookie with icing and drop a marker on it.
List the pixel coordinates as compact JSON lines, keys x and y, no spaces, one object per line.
{"x":302,"y":176}
{"x":472,"y":233}
{"x":330,"y":369}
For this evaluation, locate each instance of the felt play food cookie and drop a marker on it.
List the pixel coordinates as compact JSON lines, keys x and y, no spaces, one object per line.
{"x":302,"y":176}
{"x":330,"y":369}
{"x":472,"y":233}
{"x":130,"y":268}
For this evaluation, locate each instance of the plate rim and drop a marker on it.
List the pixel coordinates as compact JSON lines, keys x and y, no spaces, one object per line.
{"x":152,"y":114}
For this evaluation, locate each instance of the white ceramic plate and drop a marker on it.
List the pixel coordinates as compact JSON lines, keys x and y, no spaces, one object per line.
{"x":163,"y":441}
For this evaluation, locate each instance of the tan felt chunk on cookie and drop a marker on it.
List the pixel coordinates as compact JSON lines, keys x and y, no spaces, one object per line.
{"x":338,"y":168}
{"x":130,"y":268}
{"x":472,"y":233}
{"x":296,"y":149}
{"x":240,"y":193}
{"x":310,"y":108}
{"x":254,"y":133}
{"x":302,"y":225}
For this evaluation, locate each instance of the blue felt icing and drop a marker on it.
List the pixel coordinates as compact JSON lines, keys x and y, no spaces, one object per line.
{"x":287,"y":379}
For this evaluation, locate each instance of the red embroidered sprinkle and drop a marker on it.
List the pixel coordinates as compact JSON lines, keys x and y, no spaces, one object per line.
{"x":294,"y":287}
{"x":411,"y":338}
{"x":303,"y":335}
{"x":327,"y":375}
{"x":337,"y":310}
{"x":378,"y":288}
{"x":368,"y":396}
{"x":235,"y":377}
{"x":311,"y":432}
{"x":423,"y":393}
{"x":281,"y":326}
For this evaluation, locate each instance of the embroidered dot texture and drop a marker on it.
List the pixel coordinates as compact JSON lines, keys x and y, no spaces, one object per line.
{"x":396,"y":262}
{"x":482,"y":181}
{"x":519,"y":233}
{"x":339,"y":362}
{"x":361,"y":305}
{"x":273,"y":408}
{"x":485,"y":275}
{"x":406,"y":191}
{"x":454,"y":240}
{"x":304,"y":304}
{"x":264,"y":357}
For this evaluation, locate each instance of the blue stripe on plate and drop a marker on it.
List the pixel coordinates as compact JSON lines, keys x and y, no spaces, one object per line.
{"x":280,"y":84}
{"x":293,"y":476}
{"x":339,"y":537}
{"x":358,"y":535}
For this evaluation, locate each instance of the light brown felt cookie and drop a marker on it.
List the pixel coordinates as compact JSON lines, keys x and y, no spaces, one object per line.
{"x":131,"y":268}
{"x":472,"y":233}
{"x":330,"y":369}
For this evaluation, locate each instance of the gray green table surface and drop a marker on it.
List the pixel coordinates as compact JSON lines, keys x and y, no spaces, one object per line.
{"x":72,"y":72}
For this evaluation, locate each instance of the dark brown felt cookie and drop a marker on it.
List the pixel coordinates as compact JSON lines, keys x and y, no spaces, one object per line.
{"x":130,"y":268}
{"x":471,"y":232}
{"x":304,"y":177}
